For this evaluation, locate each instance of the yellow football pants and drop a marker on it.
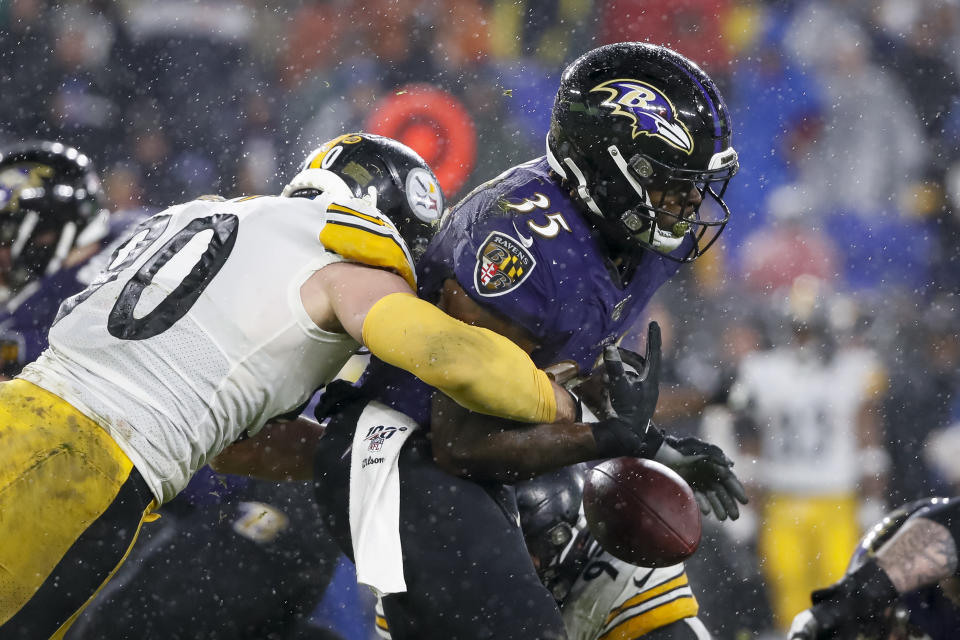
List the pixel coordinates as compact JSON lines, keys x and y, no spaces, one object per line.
{"x":71,"y":505}
{"x":805,"y":544}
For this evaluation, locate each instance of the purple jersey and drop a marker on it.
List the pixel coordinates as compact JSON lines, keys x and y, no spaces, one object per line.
{"x":520,"y":247}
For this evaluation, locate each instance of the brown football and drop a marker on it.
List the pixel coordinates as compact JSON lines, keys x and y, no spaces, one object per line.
{"x":641,"y":512}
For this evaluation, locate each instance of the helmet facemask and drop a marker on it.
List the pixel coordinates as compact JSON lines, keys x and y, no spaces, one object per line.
{"x":50,"y":203}
{"x":668,"y":215}
{"x":647,"y":204}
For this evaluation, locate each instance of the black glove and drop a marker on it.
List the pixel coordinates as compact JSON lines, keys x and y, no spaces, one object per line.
{"x":634,"y":399}
{"x":856,"y":604}
{"x":708,"y":471}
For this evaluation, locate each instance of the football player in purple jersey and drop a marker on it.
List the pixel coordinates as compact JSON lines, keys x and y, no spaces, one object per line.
{"x":53,"y":223}
{"x":561,"y":254}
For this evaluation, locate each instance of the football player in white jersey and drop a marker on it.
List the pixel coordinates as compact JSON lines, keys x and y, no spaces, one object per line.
{"x":812,"y":406}
{"x":600,"y":596}
{"x":213,"y":319}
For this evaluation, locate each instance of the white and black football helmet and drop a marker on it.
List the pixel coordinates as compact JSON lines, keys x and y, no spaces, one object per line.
{"x":642,"y":137}
{"x":389,"y":174}
{"x":50,"y":202}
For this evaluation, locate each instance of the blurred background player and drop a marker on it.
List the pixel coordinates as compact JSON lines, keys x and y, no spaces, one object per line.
{"x":901,"y":583}
{"x":53,"y":221}
{"x":808,"y":408}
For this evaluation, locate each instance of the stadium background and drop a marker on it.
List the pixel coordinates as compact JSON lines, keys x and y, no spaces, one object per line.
{"x":844,"y":114}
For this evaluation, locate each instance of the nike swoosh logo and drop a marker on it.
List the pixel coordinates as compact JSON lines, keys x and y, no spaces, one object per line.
{"x":526,"y":241}
{"x":639,"y":583}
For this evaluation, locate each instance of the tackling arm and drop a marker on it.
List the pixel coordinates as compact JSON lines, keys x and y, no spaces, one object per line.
{"x":924,"y":551}
{"x":377,"y":308}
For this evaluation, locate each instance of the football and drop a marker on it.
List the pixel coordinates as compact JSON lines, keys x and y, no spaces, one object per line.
{"x":641,"y":512}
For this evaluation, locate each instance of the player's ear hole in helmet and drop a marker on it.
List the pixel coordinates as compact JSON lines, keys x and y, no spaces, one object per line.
{"x":642,"y":138}
{"x":389,"y":174}
{"x":50,"y":202}
{"x":549,"y":507}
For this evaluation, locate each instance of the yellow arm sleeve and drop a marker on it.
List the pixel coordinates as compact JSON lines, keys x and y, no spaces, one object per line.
{"x":481,"y":370}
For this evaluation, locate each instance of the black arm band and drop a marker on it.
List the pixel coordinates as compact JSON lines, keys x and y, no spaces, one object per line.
{"x":861,"y":596}
{"x":615,"y":438}
{"x":872,"y":586}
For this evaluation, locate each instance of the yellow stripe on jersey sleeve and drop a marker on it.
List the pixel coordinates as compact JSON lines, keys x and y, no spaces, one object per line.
{"x":382,"y":623}
{"x":362,"y":238}
{"x":640,"y":624}
{"x":339,"y":208}
{"x":649,"y":594}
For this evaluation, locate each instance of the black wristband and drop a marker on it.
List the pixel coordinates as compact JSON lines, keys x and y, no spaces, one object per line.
{"x":868,"y":591}
{"x":615,"y":437}
{"x":874,"y":584}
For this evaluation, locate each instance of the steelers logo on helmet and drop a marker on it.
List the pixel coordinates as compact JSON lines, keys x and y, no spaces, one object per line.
{"x":424,"y":195}
{"x":649,"y":110}
{"x":389,"y":175}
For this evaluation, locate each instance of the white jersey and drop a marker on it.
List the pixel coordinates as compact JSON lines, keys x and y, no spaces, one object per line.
{"x":196,"y":334}
{"x":614,"y":599}
{"x":806,"y":411}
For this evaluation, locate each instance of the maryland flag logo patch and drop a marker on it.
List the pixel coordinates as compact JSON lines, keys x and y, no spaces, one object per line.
{"x":502,"y":264}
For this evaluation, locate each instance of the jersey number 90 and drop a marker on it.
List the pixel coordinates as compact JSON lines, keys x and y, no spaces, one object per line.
{"x":121,"y":322}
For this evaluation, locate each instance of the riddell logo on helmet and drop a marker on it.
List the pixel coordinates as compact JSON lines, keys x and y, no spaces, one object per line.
{"x":650,"y":111}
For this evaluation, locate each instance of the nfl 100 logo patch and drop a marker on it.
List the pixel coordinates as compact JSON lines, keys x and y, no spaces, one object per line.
{"x":376,"y":436}
{"x":502,"y":265}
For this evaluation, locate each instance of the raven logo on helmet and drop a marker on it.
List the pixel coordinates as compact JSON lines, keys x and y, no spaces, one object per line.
{"x":650,"y":111}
